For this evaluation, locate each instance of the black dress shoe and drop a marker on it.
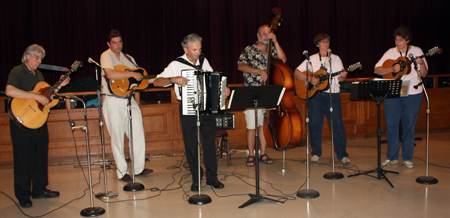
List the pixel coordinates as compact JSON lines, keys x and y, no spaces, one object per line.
{"x":145,"y":172}
{"x":215,"y":184}
{"x":25,"y":203}
{"x":194,"y":187}
{"x":47,"y":194}
{"x":127,"y":178}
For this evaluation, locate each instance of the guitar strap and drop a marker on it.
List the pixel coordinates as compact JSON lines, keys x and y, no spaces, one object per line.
{"x":131,"y":60}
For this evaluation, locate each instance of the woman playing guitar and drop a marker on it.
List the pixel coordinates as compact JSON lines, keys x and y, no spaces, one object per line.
{"x":406,"y":109}
{"x":320,"y":105}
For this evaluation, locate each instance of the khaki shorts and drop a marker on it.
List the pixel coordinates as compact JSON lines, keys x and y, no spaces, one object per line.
{"x":250,"y":117}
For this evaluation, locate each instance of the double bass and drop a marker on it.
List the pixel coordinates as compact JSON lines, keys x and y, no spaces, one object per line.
{"x":283,"y":127}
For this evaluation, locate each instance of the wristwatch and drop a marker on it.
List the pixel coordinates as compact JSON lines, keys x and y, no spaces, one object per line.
{"x":170,"y":81}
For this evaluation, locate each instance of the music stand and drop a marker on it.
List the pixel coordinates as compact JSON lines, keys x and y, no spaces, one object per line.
{"x":377,"y":90}
{"x":249,"y":97}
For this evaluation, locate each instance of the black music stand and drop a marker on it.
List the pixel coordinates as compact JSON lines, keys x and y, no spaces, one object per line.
{"x":377,"y":90}
{"x":256,"y":97}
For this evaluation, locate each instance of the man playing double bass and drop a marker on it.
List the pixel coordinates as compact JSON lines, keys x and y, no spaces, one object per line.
{"x":253,"y":63}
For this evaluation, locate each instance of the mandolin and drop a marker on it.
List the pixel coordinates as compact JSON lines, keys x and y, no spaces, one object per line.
{"x":123,"y":87}
{"x":322,"y":84}
{"x":405,"y":64}
{"x":30,"y":114}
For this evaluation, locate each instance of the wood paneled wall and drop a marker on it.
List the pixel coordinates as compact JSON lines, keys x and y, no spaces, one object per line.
{"x":163,"y":132}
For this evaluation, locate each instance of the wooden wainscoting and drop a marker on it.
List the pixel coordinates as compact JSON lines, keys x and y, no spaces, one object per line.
{"x":163,"y":132}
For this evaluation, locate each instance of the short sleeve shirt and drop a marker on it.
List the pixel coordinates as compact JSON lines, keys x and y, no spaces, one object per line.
{"x":253,"y":57}
{"x":109,"y":60}
{"x":175,"y":67}
{"x":22,"y":78}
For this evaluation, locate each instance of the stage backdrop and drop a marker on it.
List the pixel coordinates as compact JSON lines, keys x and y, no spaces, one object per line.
{"x":360,"y":30}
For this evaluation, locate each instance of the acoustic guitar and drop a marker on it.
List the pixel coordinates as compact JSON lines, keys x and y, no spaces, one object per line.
{"x":123,"y":87}
{"x":322,"y":84}
{"x":30,"y":114}
{"x":405,"y":64}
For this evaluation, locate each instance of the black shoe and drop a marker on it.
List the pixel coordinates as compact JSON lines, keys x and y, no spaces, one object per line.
{"x":145,"y":172}
{"x":25,"y":203}
{"x":215,"y":183}
{"x":194,"y":187}
{"x":47,"y":194}
{"x":127,"y":178}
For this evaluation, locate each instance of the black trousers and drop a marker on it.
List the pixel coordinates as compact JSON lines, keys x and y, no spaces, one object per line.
{"x":207,"y":137}
{"x":30,"y":148}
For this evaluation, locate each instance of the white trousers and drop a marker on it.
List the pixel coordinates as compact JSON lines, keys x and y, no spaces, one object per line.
{"x":115,"y":113}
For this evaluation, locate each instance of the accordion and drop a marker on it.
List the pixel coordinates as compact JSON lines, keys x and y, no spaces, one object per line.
{"x":204,"y":89}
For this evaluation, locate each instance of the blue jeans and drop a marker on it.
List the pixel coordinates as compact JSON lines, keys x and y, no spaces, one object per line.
{"x":406,"y":110}
{"x":318,"y":107}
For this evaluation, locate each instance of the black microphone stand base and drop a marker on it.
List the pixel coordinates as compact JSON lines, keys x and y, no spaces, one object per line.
{"x":308,"y":194}
{"x":380,"y":172}
{"x":133,"y":187}
{"x":106,"y":195}
{"x":92,"y":211}
{"x":429,"y":180}
{"x":199,"y":199}
{"x":333,"y":175}
{"x":256,"y":199}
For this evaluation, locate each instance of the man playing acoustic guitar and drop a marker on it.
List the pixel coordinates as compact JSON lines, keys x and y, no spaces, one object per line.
{"x":30,"y":146}
{"x":404,"y":110}
{"x":115,"y":109}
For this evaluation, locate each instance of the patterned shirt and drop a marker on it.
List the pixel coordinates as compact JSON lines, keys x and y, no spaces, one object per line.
{"x":253,"y":57}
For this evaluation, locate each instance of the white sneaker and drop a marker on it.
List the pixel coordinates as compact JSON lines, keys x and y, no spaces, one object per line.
{"x":408,"y":164}
{"x":389,"y":162}
{"x":345,"y":160}
{"x":314,"y":158}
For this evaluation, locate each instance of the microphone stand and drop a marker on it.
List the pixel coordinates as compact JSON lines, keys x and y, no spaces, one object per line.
{"x":425,"y":179}
{"x":198,"y":199}
{"x":307,"y":193}
{"x":107,"y":194}
{"x":332,"y":175}
{"x":90,"y":211}
{"x":133,"y":186}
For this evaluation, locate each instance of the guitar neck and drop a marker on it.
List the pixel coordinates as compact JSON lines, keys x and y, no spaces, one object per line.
{"x":54,"y":87}
{"x":149,"y":77}
{"x":337,"y":73}
{"x":410,"y":61}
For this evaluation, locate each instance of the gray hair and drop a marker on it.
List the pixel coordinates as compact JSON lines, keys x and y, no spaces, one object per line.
{"x":191,"y":38}
{"x":33,"y":50}
{"x":259,"y":29}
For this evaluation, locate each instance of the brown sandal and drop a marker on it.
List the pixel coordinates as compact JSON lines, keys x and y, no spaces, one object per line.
{"x":267,"y":160}
{"x":250,"y":161}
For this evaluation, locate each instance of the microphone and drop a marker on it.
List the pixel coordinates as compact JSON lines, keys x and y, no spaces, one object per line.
{"x":305,"y":53}
{"x":91,"y":61}
{"x":413,"y":60}
{"x":329,"y":52}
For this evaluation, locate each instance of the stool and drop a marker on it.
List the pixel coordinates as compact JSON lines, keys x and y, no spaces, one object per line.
{"x":222,"y":137}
